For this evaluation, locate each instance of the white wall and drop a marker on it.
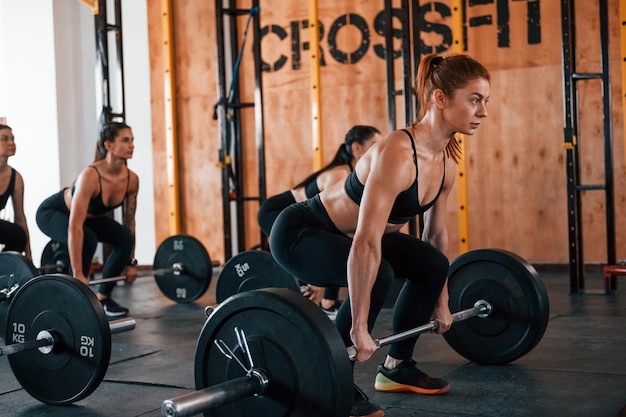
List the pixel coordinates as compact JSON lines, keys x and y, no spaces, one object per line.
{"x":48,"y":94}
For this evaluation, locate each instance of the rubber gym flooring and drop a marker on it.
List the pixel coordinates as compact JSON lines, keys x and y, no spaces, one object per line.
{"x":577,"y":369}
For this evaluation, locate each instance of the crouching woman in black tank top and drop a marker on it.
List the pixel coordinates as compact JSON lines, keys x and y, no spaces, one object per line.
{"x":77,"y":215}
{"x":14,"y":235}
{"x":349,"y":233}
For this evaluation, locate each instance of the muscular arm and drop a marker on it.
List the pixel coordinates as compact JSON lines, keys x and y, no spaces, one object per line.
{"x":130,"y":208}
{"x":130,"y":205}
{"x":18,"y":210}
{"x":386,"y":178}
{"x":87,"y":186}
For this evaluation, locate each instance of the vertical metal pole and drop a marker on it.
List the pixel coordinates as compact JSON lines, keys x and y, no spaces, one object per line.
{"x":571,"y":146}
{"x":258,"y":110}
{"x":223,"y":126}
{"x":316,"y":95}
{"x":391,"y":90}
{"x":102,"y":63}
{"x":622,"y":19}
{"x":234,"y":128}
{"x":119,"y":47}
{"x":171,"y":138}
{"x":458,"y":46}
{"x":408,"y":73}
{"x":608,"y":138}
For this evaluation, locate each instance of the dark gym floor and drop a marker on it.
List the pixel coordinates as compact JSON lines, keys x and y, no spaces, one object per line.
{"x":577,"y":369}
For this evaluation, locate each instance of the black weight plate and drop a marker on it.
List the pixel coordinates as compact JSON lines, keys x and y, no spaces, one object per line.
{"x":198,"y":270}
{"x":520,"y":306}
{"x":79,"y":361}
{"x":14,"y":269}
{"x":293,"y":341}
{"x":252,"y":270}
{"x":55,"y":254}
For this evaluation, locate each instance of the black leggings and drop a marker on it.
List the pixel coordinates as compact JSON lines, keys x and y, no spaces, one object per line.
{"x":53,"y":219}
{"x":306,"y":243}
{"x":269,"y":211}
{"x":12,"y":236}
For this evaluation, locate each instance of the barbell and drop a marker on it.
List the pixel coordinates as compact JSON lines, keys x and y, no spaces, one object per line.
{"x":59,"y":339}
{"x":252,"y":353}
{"x":182,"y":267}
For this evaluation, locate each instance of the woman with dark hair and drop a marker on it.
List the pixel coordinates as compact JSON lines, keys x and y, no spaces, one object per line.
{"x":14,"y":235}
{"x":357,"y":141}
{"x":77,"y":215}
{"x":349,"y":234}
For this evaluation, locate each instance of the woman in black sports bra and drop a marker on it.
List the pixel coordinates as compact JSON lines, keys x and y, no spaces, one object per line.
{"x":357,"y":141}
{"x":14,"y":235}
{"x":77,"y":215}
{"x":350,"y":233}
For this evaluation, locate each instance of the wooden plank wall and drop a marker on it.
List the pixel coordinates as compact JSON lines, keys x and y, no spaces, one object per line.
{"x":516,"y":162}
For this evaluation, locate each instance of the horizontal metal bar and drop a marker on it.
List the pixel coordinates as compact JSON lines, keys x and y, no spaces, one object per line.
{"x":235,"y":11}
{"x":122,"y":325}
{"x":205,"y":399}
{"x":31,"y":344}
{"x":240,"y":105}
{"x":586,"y":76}
{"x":590,"y":187}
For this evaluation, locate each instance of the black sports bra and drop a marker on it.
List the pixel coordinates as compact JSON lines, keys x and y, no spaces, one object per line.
{"x":96,"y":205}
{"x":311,"y":189}
{"x":406,"y":205}
{"x":4,"y":198}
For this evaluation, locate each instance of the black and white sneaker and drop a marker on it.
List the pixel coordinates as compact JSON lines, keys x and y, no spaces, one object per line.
{"x":332,"y":311}
{"x":113,"y":309}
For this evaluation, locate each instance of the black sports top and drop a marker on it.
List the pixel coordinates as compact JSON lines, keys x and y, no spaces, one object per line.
{"x":4,"y":198}
{"x":311,"y":189}
{"x":96,"y":205}
{"x":407,"y":204}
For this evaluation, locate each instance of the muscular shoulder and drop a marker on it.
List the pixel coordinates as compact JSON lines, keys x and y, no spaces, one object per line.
{"x":393,"y":152}
{"x":87,"y":180}
{"x":390,"y":162}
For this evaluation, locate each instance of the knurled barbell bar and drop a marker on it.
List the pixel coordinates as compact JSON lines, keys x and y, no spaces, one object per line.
{"x":59,"y":339}
{"x":182,"y":268}
{"x":502,"y":313}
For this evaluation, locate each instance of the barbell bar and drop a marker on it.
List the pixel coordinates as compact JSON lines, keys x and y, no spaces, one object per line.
{"x":256,"y":380}
{"x":284,"y":331}
{"x":46,"y":338}
{"x":58,"y":331}
{"x":481,"y":309}
{"x":182,"y":268}
{"x":177,"y":269}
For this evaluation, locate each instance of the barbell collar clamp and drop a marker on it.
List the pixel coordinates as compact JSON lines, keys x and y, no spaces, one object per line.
{"x":481,"y":309}
{"x":208,"y":398}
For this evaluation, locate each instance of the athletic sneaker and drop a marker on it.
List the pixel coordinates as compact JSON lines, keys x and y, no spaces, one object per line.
{"x":331,"y":312}
{"x":406,"y":377}
{"x":113,"y":309}
{"x":362,"y":407}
